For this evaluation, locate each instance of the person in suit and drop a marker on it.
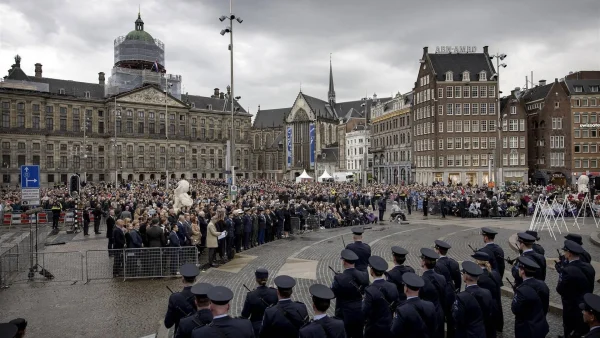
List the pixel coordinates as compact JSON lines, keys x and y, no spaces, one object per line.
{"x":212,"y":243}
{"x":118,"y":236}
{"x":322,"y":326}
{"x":380,"y":302}
{"x":467,"y":312}
{"x":585,"y":256}
{"x":182,"y":304}
{"x":222,"y":324}
{"x":86,"y":221}
{"x":174,"y":249}
{"x":395,"y":274}
{"x":362,"y":250}
{"x":525,"y":243}
{"x":97,"y":218}
{"x":591,"y":314}
{"x":530,"y":302}
{"x":490,"y":280}
{"x":576,"y":278}
{"x":259,"y":300}
{"x":110,"y":226}
{"x":247,"y":219}
{"x":284,"y":319}
{"x":434,"y":288}
{"x":536,"y":247}
{"x":381,"y":207}
{"x":348,"y":287}
{"x":414,"y":317}
{"x":471,"y":273}
{"x":202,"y":317}
{"x":493,"y":250}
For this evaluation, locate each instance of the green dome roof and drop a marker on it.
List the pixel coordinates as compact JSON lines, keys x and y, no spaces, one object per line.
{"x":139,"y":35}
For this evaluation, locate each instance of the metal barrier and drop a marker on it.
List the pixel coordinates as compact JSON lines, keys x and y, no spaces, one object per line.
{"x":41,"y":267}
{"x":313,"y":223}
{"x":18,"y":258}
{"x":295,"y":224}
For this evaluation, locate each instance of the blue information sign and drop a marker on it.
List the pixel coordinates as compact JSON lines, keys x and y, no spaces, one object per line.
{"x":30,"y":176}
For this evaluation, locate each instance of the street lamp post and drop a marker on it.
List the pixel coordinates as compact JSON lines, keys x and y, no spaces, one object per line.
{"x":86,"y":120}
{"x":499,"y":57}
{"x":229,"y":30}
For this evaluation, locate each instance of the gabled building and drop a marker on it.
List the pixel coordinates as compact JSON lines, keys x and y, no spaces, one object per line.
{"x":268,"y":140}
{"x":514,"y":160}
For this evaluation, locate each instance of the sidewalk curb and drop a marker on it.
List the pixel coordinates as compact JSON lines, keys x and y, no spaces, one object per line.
{"x":595,"y":238}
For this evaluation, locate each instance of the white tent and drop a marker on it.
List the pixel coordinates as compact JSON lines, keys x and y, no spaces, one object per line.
{"x":325,"y":176}
{"x":304,"y":175}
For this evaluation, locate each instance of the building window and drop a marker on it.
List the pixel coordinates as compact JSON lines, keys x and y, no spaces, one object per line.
{"x":49,"y":161}
{"x":466,"y":109}
{"x":482,"y":76}
{"x":578,"y":89}
{"x":466,"y":76}
{"x":449,"y":76}
{"x":440,"y":93}
{"x":49,"y":123}
{"x":457,"y":92}
{"x":140,"y":127}
{"x":513,"y":110}
{"x":87,"y":95}
{"x":449,"y":92}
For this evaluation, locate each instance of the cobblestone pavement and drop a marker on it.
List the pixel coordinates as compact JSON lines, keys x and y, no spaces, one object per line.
{"x":135,"y":308}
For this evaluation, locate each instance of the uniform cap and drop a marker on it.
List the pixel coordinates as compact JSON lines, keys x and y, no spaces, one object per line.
{"x":357,"y":230}
{"x":481,"y":256}
{"x":321,"y":291}
{"x":575,"y":238}
{"x":534,"y":234}
{"x":8,"y":330}
{"x":220,"y":295}
{"x":429,"y":254}
{"x":21,"y":323}
{"x":189,"y":270}
{"x":525,"y":237}
{"x":488,"y":231}
{"x":527,"y":263}
{"x":442,"y":244}
{"x":412,"y":280}
{"x":284,"y":282}
{"x":349,"y":255}
{"x":378,"y":263}
{"x":573,"y":247}
{"x":201,"y":289}
{"x":471,"y":269}
{"x":591,"y":303}
{"x":396,"y":250}
{"x":261,"y":273}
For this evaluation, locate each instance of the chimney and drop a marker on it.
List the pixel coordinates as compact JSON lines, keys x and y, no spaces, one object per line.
{"x":222,"y":96}
{"x":101,"y":78}
{"x":38,"y":70}
{"x":216,"y":94}
{"x":485,"y":49}
{"x":425,"y":50}
{"x":542,"y":82}
{"x":555,"y":80}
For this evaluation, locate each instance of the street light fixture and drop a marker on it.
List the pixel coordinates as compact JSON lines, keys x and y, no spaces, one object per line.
{"x":229,"y":30}
{"x":499,"y":57}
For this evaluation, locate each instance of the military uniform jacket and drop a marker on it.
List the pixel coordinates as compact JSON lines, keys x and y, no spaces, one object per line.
{"x":225,"y":327}
{"x":181,"y":304}
{"x":487,"y":307}
{"x":190,"y":323}
{"x":283,"y":320}
{"x":254,"y":307}
{"x":585,"y":257}
{"x":379,"y":304}
{"x":536,"y":257}
{"x":363,"y":251}
{"x":528,"y":308}
{"x":575,"y":280}
{"x":395,"y":276}
{"x":538,"y":249}
{"x":468,"y":319}
{"x":325,"y":327}
{"x":415,"y":318}
{"x":449,"y":287}
{"x":348,"y":287}
{"x":434,"y":291}
{"x":494,"y":250}
{"x":595,"y":333}
{"x":453,"y":271}
{"x":491,"y":281}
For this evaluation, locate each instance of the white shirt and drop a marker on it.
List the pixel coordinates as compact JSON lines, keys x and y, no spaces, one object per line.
{"x":524,"y":251}
{"x":317,"y":317}
{"x":407,"y":298}
{"x":220,"y":316}
{"x":284,"y":299}
{"x":488,"y":243}
{"x":379,"y":278}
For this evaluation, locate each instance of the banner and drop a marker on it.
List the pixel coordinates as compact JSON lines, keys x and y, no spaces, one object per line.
{"x":312,"y":135}
{"x":289,"y":147}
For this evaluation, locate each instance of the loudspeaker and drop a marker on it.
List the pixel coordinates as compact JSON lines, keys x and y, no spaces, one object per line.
{"x":597,"y":183}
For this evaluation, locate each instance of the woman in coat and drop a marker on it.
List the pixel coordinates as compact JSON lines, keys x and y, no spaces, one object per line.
{"x":212,"y":242}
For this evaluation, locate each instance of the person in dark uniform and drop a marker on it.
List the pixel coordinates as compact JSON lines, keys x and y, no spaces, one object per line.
{"x":576,"y":278}
{"x":471,"y":273}
{"x":362,"y":250}
{"x":530,"y":302}
{"x":494,"y":250}
{"x":448,"y":268}
{"x":591,"y":314}
{"x":585,"y":256}
{"x":466,"y":310}
{"x":434,"y":288}
{"x":259,"y":300}
{"x":395,"y":274}
{"x":97,"y":218}
{"x":348,"y":287}
{"x":380,"y":302}
{"x":86,"y":221}
{"x":525,"y":242}
{"x":286,"y":317}
{"x":490,"y":280}
{"x":322,"y":326}
{"x":381,"y":205}
{"x":202,"y":317}
{"x":222,"y":324}
{"x":536,"y":247}
{"x":8,"y":330}
{"x":182,"y":304}
{"x":414,"y":317}
{"x":425,"y":205}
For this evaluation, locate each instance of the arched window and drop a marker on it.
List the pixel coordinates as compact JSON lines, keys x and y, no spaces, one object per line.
{"x":322,"y":135}
{"x":330,"y":134}
{"x":268,"y":140}
{"x":449,"y":76}
{"x":256,"y":141}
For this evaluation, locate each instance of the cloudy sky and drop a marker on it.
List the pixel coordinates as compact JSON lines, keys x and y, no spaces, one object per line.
{"x":283,"y":44}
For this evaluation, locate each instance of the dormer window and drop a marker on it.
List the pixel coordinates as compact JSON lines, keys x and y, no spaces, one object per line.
{"x":578,"y":89}
{"x":449,"y":76}
{"x":466,"y":76}
{"x":87,"y":95}
{"x":482,"y":76}
{"x":61,"y":91}
{"x":193,"y":105}
{"x":594,"y":89}
{"x":209,"y":106}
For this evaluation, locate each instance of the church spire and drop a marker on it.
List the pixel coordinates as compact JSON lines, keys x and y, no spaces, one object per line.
{"x":331,"y":93}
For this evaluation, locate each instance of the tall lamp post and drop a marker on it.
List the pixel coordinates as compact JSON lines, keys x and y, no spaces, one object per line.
{"x":229,"y":30}
{"x":86,"y":121}
{"x":117,"y":116}
{"x":499,"y":57}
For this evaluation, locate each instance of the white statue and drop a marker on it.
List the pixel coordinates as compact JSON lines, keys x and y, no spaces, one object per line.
{"x":582,"y":184}
{"x":180,"y":196}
